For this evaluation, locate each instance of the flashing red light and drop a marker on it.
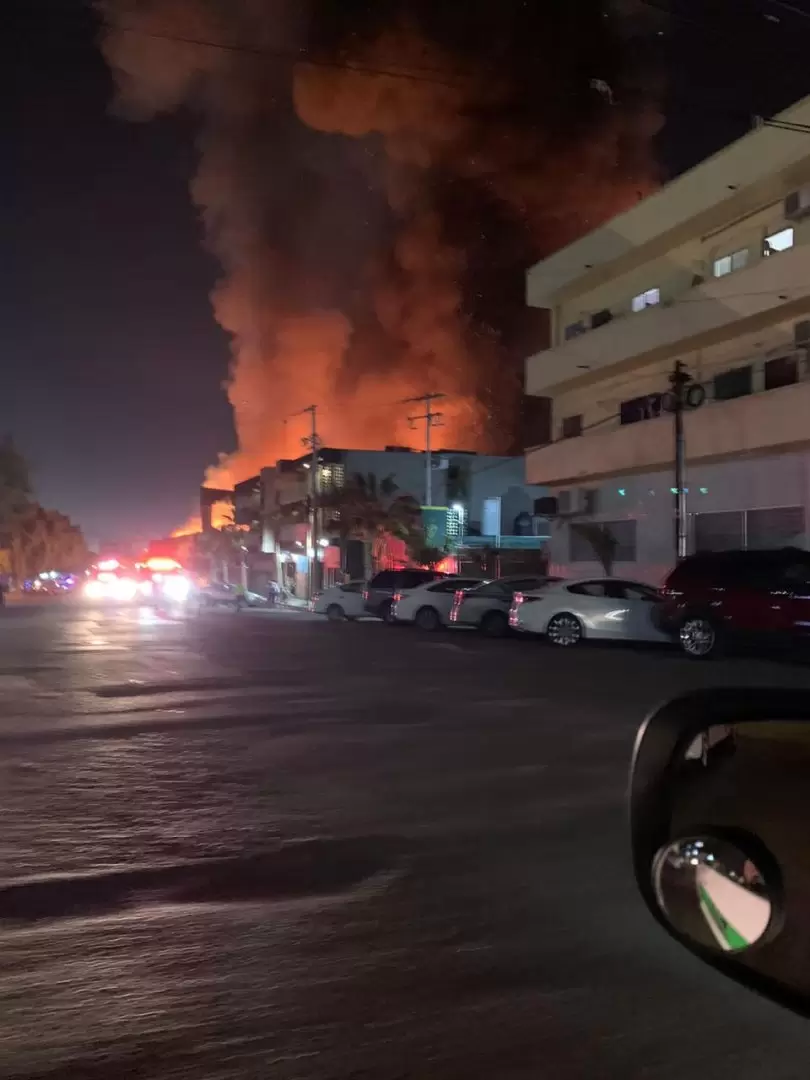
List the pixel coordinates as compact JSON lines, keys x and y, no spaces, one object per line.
{"x":162,"y":564}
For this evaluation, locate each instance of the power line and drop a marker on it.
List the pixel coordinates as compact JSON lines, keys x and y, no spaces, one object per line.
{"x":414,"y":73}
{"x":432,"y":419}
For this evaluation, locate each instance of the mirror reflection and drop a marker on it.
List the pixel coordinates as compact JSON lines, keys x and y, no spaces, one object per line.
{"x":713,"y":892}
{"x":735,"y":871}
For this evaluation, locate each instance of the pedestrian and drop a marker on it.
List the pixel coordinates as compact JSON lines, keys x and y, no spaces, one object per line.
{"x":273,"y":592}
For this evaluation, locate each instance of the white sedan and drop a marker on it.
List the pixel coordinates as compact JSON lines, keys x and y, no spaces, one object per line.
{"x":607,"y":609}
{"x":341,"y":602}
{"x":428,"y":606}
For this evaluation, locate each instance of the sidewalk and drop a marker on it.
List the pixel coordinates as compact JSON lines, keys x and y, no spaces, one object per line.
{"x":294,"y":606}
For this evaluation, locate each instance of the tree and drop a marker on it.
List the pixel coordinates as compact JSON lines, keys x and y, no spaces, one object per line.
{"x":40,"y":540}
{"x":602,"y":540}
{"x":367,"y":509}
{"x":223,"y":546}
{"x":15,"y":483}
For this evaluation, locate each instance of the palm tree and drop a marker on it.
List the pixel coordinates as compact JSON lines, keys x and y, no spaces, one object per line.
{"x":368,"y":508}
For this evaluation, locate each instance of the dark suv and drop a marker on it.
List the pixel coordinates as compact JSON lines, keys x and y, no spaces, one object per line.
{"x":713,"y":598}
{"x":379,"y":593}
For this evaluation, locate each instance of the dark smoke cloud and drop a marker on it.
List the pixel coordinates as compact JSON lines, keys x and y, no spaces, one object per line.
{"x":367,"y":224}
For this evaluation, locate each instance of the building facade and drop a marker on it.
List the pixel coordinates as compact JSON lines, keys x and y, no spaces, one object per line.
{"x":712,"y":271}
{"x":478,"y":499}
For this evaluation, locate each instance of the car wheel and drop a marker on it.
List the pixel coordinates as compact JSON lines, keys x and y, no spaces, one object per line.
{"x":699,"y":637}
{"x":335,"y":613}
{"x":564,"y":630}
{"x":427,"y":618}
{"x":387,"y":612}
{"x":494,"y":624}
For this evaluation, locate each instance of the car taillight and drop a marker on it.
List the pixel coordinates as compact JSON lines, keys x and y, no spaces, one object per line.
{"x":365,"y":594}
{"x":518,"y":598}
{"x":397,"y":597}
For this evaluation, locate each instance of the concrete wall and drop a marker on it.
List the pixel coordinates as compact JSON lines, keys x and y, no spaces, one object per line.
{"x":748,"y":484}
{"x":767,"y":421}
{"x":711,"y":312}
{"x":743,"y":177}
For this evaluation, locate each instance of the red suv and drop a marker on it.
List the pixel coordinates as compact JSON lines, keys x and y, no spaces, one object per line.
{"x":713,"y":598}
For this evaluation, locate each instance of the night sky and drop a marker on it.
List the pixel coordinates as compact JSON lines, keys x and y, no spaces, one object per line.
{"x":114,"y":364}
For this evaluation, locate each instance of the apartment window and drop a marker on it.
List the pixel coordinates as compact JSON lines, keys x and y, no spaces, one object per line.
{"x":585,"y":543}
{"x":641,"y":408}
{"x":722,"y":531}
{"x":778,"y":241}
{"x":733,"y":530}
{"x":781,"y":526}
{"x":574,"y":329}
{"x":646,"y":299}
{"x":599,"y":318}
{"x":733,"y":384}
{"x":727,"y":263}
{"x":571,"y":426}
{"x":781,"y":371}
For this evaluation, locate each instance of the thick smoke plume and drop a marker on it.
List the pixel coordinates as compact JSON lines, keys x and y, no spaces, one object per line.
{"x":366,"y":221}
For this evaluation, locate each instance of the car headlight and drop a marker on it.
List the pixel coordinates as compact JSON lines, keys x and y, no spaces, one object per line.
{"x":176,"y":588}
{"x":124,"y":589}
{"x":93,"y":590}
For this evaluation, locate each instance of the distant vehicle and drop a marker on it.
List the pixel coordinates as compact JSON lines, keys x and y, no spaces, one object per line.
{"x":487,"y":606}
{"x":428,"y":606}
{"x":341,"y":602}
{"x":113,"y":581}
{"x":379,"y":593}
{"x":606,"y":609}
{"x":160,"y":582}
{"x":219,"y":594}
{"x":717,"y":598}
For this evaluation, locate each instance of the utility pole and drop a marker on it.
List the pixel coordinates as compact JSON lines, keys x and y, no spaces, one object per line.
{"x":432,"y":419}
{"x":314,"y":443}
{"x":679,"y":380}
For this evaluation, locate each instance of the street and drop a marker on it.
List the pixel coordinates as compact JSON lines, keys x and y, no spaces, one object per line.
{"x":263,"y":845}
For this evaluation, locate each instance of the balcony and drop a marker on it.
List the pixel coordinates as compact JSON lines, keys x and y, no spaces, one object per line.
{"x":759,"y":423}
{"x":708,"y":313}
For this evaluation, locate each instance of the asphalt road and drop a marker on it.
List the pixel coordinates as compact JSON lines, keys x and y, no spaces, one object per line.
{"x":261,"y":845}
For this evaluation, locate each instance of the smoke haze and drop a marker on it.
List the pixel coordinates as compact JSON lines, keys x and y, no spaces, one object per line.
{"x":373,"y":228}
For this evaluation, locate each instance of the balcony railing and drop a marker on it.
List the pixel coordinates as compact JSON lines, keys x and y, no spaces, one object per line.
{"x":677,"y":325}
{"x":756,"y":422}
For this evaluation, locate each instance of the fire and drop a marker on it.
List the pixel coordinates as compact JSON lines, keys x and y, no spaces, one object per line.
{"x":221,"y":515}
{"x":352,"y":267}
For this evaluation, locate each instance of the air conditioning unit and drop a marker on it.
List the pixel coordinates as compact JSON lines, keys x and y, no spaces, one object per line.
{"x":565,"y":501}
{"x":578,"y":501}
{"x":589,"y":500}
{"x":797,"y":204}
{"x":801,"y":334}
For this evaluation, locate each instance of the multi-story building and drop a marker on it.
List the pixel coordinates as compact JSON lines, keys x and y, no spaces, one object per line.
{"x":714,"y":271}
{"x":480,"y":499}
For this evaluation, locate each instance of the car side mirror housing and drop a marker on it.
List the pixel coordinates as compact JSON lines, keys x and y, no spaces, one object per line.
{"x":720,"y":833}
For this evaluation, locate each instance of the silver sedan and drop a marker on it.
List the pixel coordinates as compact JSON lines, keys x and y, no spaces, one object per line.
{"x":606,"y":609}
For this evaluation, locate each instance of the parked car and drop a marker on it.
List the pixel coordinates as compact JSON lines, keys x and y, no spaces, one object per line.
{"x":428,"y":606}
{"x":341,"y":602}
{"x":218,"y":594}
{"x":379,"y":593}
{"x":606,"y":609}
{"x":487,"y":606}
{"x":713,"y":599}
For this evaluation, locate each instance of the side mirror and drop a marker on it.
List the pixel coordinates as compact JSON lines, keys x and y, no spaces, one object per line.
{"x":720,"y":828}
